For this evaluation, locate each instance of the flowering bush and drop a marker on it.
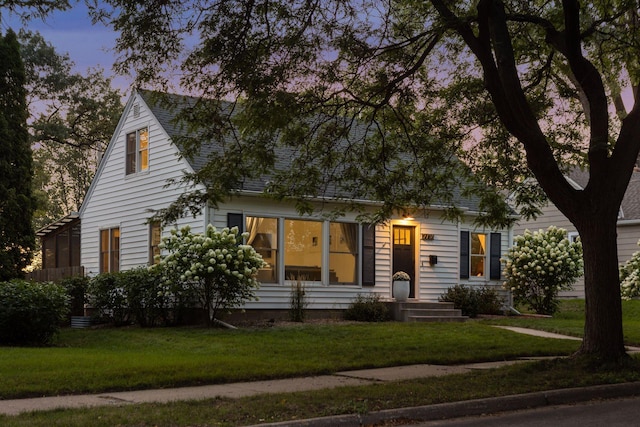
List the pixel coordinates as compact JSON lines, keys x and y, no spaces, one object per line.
{"x":220,"y":270}
{"x":539,"y":265}
{"x":630,"y":277}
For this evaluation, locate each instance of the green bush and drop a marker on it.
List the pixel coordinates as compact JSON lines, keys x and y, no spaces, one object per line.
{"x":489,"y":302}
{"x":463,"y":298}
{"x":76,"y":288}
{"x":367,"y":308}
{"x":108,"y":297}
{"x":30,"y":312}
{"x":139,"y":295}
{"x":473,"y":301}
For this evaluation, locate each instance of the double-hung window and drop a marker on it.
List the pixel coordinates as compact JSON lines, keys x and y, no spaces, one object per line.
{"x":155,"y":237}
{"x":137,"y":147}
{"x":480,"y":255}
{"x":110,"y":250}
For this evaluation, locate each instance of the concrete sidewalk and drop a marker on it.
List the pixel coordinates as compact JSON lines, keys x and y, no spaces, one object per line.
{"x":236,"y":390}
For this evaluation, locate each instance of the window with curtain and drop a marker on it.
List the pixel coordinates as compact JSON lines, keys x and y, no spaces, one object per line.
{"x":478,"y":254}
{"x":263,"y":236}
{"x":343,"y":253}
{"x":303,"y":249}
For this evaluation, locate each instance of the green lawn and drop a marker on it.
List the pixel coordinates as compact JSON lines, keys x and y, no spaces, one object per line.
{"x":132,"y":358}
{"x":94,"y":360}
{"x":570,"y":320}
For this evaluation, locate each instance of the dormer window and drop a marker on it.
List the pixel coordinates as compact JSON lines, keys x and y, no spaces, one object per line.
{"x":137,"y":151}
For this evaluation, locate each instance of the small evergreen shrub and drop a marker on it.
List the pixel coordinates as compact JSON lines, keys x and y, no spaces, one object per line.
{"x":30,"y":312}
{"x":367,"y":308}
{"x":489,"y":302}
{"x":463,"y":298}
{"x":473,"y":301}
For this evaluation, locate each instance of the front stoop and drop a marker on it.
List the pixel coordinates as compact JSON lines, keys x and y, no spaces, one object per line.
{"x":426,"y":312}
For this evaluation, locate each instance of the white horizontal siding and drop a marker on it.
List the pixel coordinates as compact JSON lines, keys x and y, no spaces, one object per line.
{"x":119,"y":200}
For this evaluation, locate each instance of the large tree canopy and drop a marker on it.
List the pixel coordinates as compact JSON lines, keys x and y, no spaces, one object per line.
{"x":73,"y":117}
{"x":383,"y":98}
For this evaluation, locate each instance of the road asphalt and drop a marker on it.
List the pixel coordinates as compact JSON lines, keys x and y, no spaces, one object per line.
{"x":339,"y":379}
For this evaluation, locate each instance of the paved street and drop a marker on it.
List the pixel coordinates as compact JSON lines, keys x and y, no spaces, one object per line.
{"x":609,"y":413}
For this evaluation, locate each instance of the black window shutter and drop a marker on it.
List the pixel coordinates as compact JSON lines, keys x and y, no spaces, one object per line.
{"x":464,"y":254}
{"x":368,"y":254}
{"x":494,"y":257}
{"x":235,"y":220}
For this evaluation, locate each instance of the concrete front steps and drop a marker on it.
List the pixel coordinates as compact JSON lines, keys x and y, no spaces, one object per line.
{"x":410,"y":311}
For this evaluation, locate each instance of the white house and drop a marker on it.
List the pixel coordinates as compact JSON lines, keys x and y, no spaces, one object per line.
{"x":339,"y":259}
{"x":628,"y":226}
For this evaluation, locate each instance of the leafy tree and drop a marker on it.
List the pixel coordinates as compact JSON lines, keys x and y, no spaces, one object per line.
{"x":74,"y":116}
{"x":17,"y":238}
{"x":381,"y":99}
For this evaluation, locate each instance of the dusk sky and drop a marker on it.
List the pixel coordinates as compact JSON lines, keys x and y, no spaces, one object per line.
{"x":71,"y":32}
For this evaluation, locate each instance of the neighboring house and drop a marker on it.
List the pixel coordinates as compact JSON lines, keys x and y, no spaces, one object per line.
{"x":628,"y":222}
{"x":338,"y":259}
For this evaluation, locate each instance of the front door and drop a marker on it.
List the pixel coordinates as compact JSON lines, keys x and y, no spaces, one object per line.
{"x":404,"y":253}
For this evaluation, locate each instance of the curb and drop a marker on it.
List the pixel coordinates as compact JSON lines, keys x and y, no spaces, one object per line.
{"x":468,"y":408}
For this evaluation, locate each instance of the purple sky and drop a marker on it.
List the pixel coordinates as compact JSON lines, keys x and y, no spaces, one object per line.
{"x":71,"y":32}
{"x":90,"y":45}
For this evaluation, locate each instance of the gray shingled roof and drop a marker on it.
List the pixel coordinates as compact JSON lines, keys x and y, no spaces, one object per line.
{"x":166,"y":118}
{"x":631,"y":201}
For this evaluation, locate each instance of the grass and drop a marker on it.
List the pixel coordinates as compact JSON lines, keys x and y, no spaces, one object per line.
{"x":120,"y":359}
{"x":569,"y":320}
{"x":89,"y":361}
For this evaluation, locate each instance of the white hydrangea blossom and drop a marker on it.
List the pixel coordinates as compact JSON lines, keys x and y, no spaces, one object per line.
{"x":630,"y":277}
{"x":217,"y":264}
{"x":539,"y":265}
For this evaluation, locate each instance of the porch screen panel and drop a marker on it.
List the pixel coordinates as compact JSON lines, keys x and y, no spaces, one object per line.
{"x":63,"y":258}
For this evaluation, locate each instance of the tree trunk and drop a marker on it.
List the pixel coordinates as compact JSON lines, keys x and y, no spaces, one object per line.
{"x":603,"y":336}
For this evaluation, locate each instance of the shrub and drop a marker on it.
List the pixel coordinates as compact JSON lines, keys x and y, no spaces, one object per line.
{"x":367,"y":308}
{"x":473,"y":301}
{"x":463,"y":298}
{"x":541,"y":264}
{"x":298,"y":301}
{"x":215,"y":265}
{"x":76,"y":288}
{"x":108,"y":296}
{"x":630,"y":277}
{"x":489,"y":302}
{"x":139,"y":295}
{"x":30,"y":312}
